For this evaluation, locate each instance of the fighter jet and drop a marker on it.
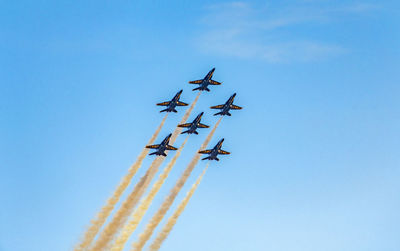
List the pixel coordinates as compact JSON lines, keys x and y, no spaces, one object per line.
{"x":214,"y":152}
{"x":226,"y":107}
{"x":161,"y":148}
{"x":194,"y":125}
{"x":173,"y":103}
{"x":205,"y":82}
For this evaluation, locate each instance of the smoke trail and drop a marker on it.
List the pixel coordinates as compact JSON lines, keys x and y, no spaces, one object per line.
{"x":123,"y":213}
{"x":145,"y":203}
{"x":178,"y":130}
{"x":101,"y":217}
{"x":172,"y":220}
{"x":150,"y":227}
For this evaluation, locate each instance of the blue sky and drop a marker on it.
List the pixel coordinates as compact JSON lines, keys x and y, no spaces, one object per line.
{"x":315,"y":157}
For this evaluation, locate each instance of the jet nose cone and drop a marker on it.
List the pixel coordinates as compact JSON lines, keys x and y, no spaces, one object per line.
{"x":180,"y":91}
{"x":201,"y":114}
{"x":234,"y":95}
{"x":222,"y":140}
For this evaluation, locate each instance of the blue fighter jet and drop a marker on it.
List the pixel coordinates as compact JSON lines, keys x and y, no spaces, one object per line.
{"x":205,"y":82}
{"x":194,"y":125}
{"x":213,"y":153}
{"x":173,"y":103}
{"x":161,"y":148}
{"x":226,"y":107}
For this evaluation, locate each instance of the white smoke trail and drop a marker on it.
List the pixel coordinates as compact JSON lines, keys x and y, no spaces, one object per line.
{"x":101,"y":217}
{"x":156,"y":219}
{"x":178,"y":130}
{"x":172,"y":220}
{"x":145,"y":203}
{"x":121,"y":216}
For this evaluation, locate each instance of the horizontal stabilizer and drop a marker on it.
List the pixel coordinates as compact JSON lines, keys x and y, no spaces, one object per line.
{"x":153,"y":153}
{"x":218,"y":113}
{"x":187,"y":131}
{"x":165,"y":110}
{"x":174,"y":110}
{"x":198,"y":88}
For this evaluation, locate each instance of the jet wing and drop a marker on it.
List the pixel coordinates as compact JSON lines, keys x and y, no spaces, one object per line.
{"x":235,"y":107}
{"x":179,"y":103}
{"x":200,"y":125}
{"x":217,"y":107}
{"x":213,"y":82}
{"x":223,"y":152}
{"x":164,"y":103}
{"x":196,"y":81}
{"x":185,"y":125}
{"x":205,"y":151}
{"x":153,"y":146}
{"x":171,"y":148}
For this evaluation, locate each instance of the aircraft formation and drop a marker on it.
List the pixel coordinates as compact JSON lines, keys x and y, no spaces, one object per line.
{"x":112,"y":226}
{"x":195,"y":124}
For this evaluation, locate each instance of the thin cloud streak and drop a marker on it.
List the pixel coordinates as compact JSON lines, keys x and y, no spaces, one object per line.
{"x":244,"y":31}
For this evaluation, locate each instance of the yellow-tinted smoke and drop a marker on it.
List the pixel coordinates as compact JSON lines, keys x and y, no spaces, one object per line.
{"x":121,"y":216}
{"x":163,"y":234}
{"x":156,"y":219}
{"x":145,"y":203}
{"x":101,"y":217}
{"x":178,"y":130}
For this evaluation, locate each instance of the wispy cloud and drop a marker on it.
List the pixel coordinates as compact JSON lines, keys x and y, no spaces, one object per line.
{"x":270,"y":33}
